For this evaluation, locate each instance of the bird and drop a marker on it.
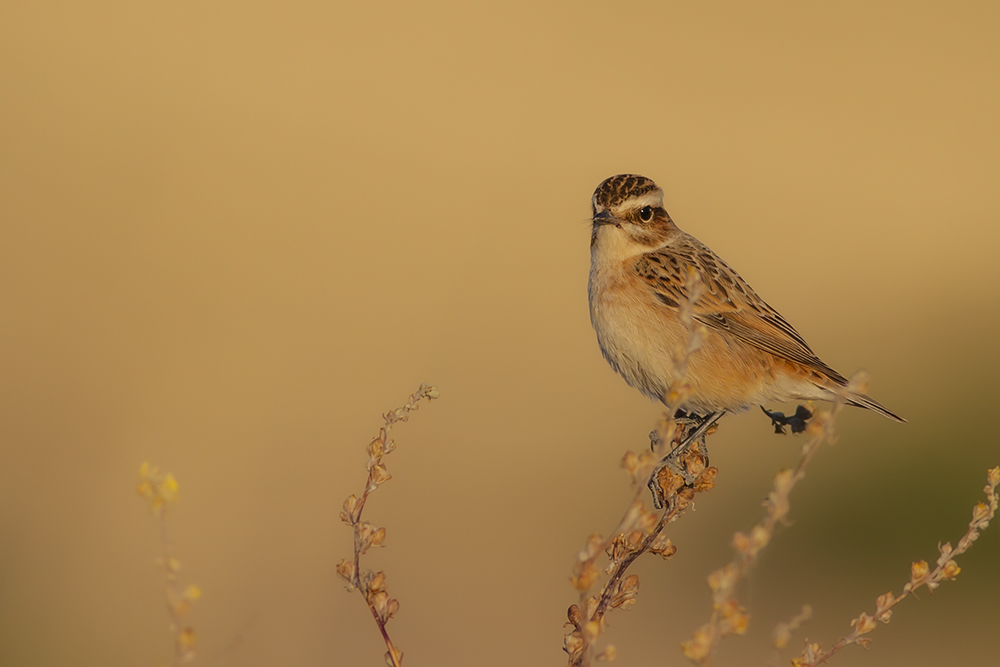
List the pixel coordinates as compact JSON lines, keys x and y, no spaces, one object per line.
{"x":750,"y":355}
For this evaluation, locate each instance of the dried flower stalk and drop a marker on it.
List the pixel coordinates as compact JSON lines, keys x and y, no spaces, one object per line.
{"x":783,"y":631}
{"x":640,"y":529}
{"x":160,"y":489}
{"x":372,"y":585}
{"x":728,"y":616}
{"x":920,"y":575}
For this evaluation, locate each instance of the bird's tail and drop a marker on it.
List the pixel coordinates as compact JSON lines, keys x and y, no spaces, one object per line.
{"x":863,"y":401}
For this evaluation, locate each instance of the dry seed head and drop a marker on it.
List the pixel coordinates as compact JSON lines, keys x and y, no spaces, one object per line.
{"x":591,"y":631}
{"x":346,"y":571}
{"x":863,"y":624}
{"x":187,"y":639}
{"x":380,"y":602}
{"x":377,"y":583}
{"x":585,"y":579}
{"x":706,"y":480}
{"x":573,"y":643}
{"x":737,"y":622}
{"x":379,"y":475}
{"x":574,"y":615}
{"x":665,"y":551}
{"x":980,"y":514}
{"x":365,"y":534}
{"x":950,"y":570}
{"x":647,"y":521}
{"x":389,"y":657}
{"x":783,"y":480}
{"x":630,"y":462}
{"x":697,"y":648}
{"x":376,"y":449}
{"x":608,"y":654}
{"x":808,"y":655}
{"x":918,"y":572}
{"x":349,"y":514}
{"x":594,"y":544}
{"x":759,"y":537}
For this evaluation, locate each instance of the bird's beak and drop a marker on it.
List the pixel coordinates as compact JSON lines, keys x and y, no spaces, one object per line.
{"x":605,"y":218}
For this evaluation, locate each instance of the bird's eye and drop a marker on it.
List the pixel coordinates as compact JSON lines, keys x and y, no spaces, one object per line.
{"x":646,"y":213}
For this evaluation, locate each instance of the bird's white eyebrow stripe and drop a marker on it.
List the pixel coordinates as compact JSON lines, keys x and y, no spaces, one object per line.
{"x":649,"y":199}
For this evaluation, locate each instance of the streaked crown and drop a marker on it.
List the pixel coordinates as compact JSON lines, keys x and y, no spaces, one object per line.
{"x":618,"y":190}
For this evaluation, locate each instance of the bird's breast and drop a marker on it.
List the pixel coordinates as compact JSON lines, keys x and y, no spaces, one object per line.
{"x":636,"y":334}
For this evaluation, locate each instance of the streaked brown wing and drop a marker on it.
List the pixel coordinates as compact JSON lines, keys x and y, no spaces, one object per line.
{"x":729,"y":303}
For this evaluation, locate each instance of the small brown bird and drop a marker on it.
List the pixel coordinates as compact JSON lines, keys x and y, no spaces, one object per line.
{"x":639,"y":261}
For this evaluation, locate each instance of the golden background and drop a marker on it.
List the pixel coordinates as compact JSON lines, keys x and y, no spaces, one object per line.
{"x":232,"y":234}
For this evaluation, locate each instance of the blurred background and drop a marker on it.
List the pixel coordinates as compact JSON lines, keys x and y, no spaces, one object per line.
{"x":233,"y":234}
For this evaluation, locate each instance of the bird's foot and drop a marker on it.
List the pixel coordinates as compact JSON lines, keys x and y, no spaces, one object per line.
{"x":684,"y":466}
{"x":797,"y":421}
{"x":690,"y":426}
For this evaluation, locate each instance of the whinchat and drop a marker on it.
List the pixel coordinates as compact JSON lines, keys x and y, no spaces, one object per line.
{"x":639,"y":263}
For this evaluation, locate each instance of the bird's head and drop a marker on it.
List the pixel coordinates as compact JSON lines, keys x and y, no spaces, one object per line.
{"x":629,"y":217}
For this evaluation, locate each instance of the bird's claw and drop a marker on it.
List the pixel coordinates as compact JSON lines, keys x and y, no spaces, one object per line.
{"x":797,"y":421}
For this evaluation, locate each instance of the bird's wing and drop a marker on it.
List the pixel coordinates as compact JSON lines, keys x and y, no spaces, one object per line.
{"x":728,"y":305}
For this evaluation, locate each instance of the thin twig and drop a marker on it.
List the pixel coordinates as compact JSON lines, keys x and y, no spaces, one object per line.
{"x":920,"y":575}
{"x":639,"y":530}
{"x":160,"y":489}
{"x":372,"y":585}
{"x":728,"y":616}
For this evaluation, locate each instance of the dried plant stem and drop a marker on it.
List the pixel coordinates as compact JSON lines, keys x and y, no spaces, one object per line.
{"x":640,"y":530}
{"x":728,"y":617}
{"x":160,"y":489}
{"x":393,"y":655}
{"x":670,"y":512}
{"x":372,"y":585}
{"x":920,"y":575}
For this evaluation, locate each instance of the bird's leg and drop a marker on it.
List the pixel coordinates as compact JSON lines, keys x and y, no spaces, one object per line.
{"x":684,"y":421}
{"x":673,"y":460}
{"x":797,"y":421}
